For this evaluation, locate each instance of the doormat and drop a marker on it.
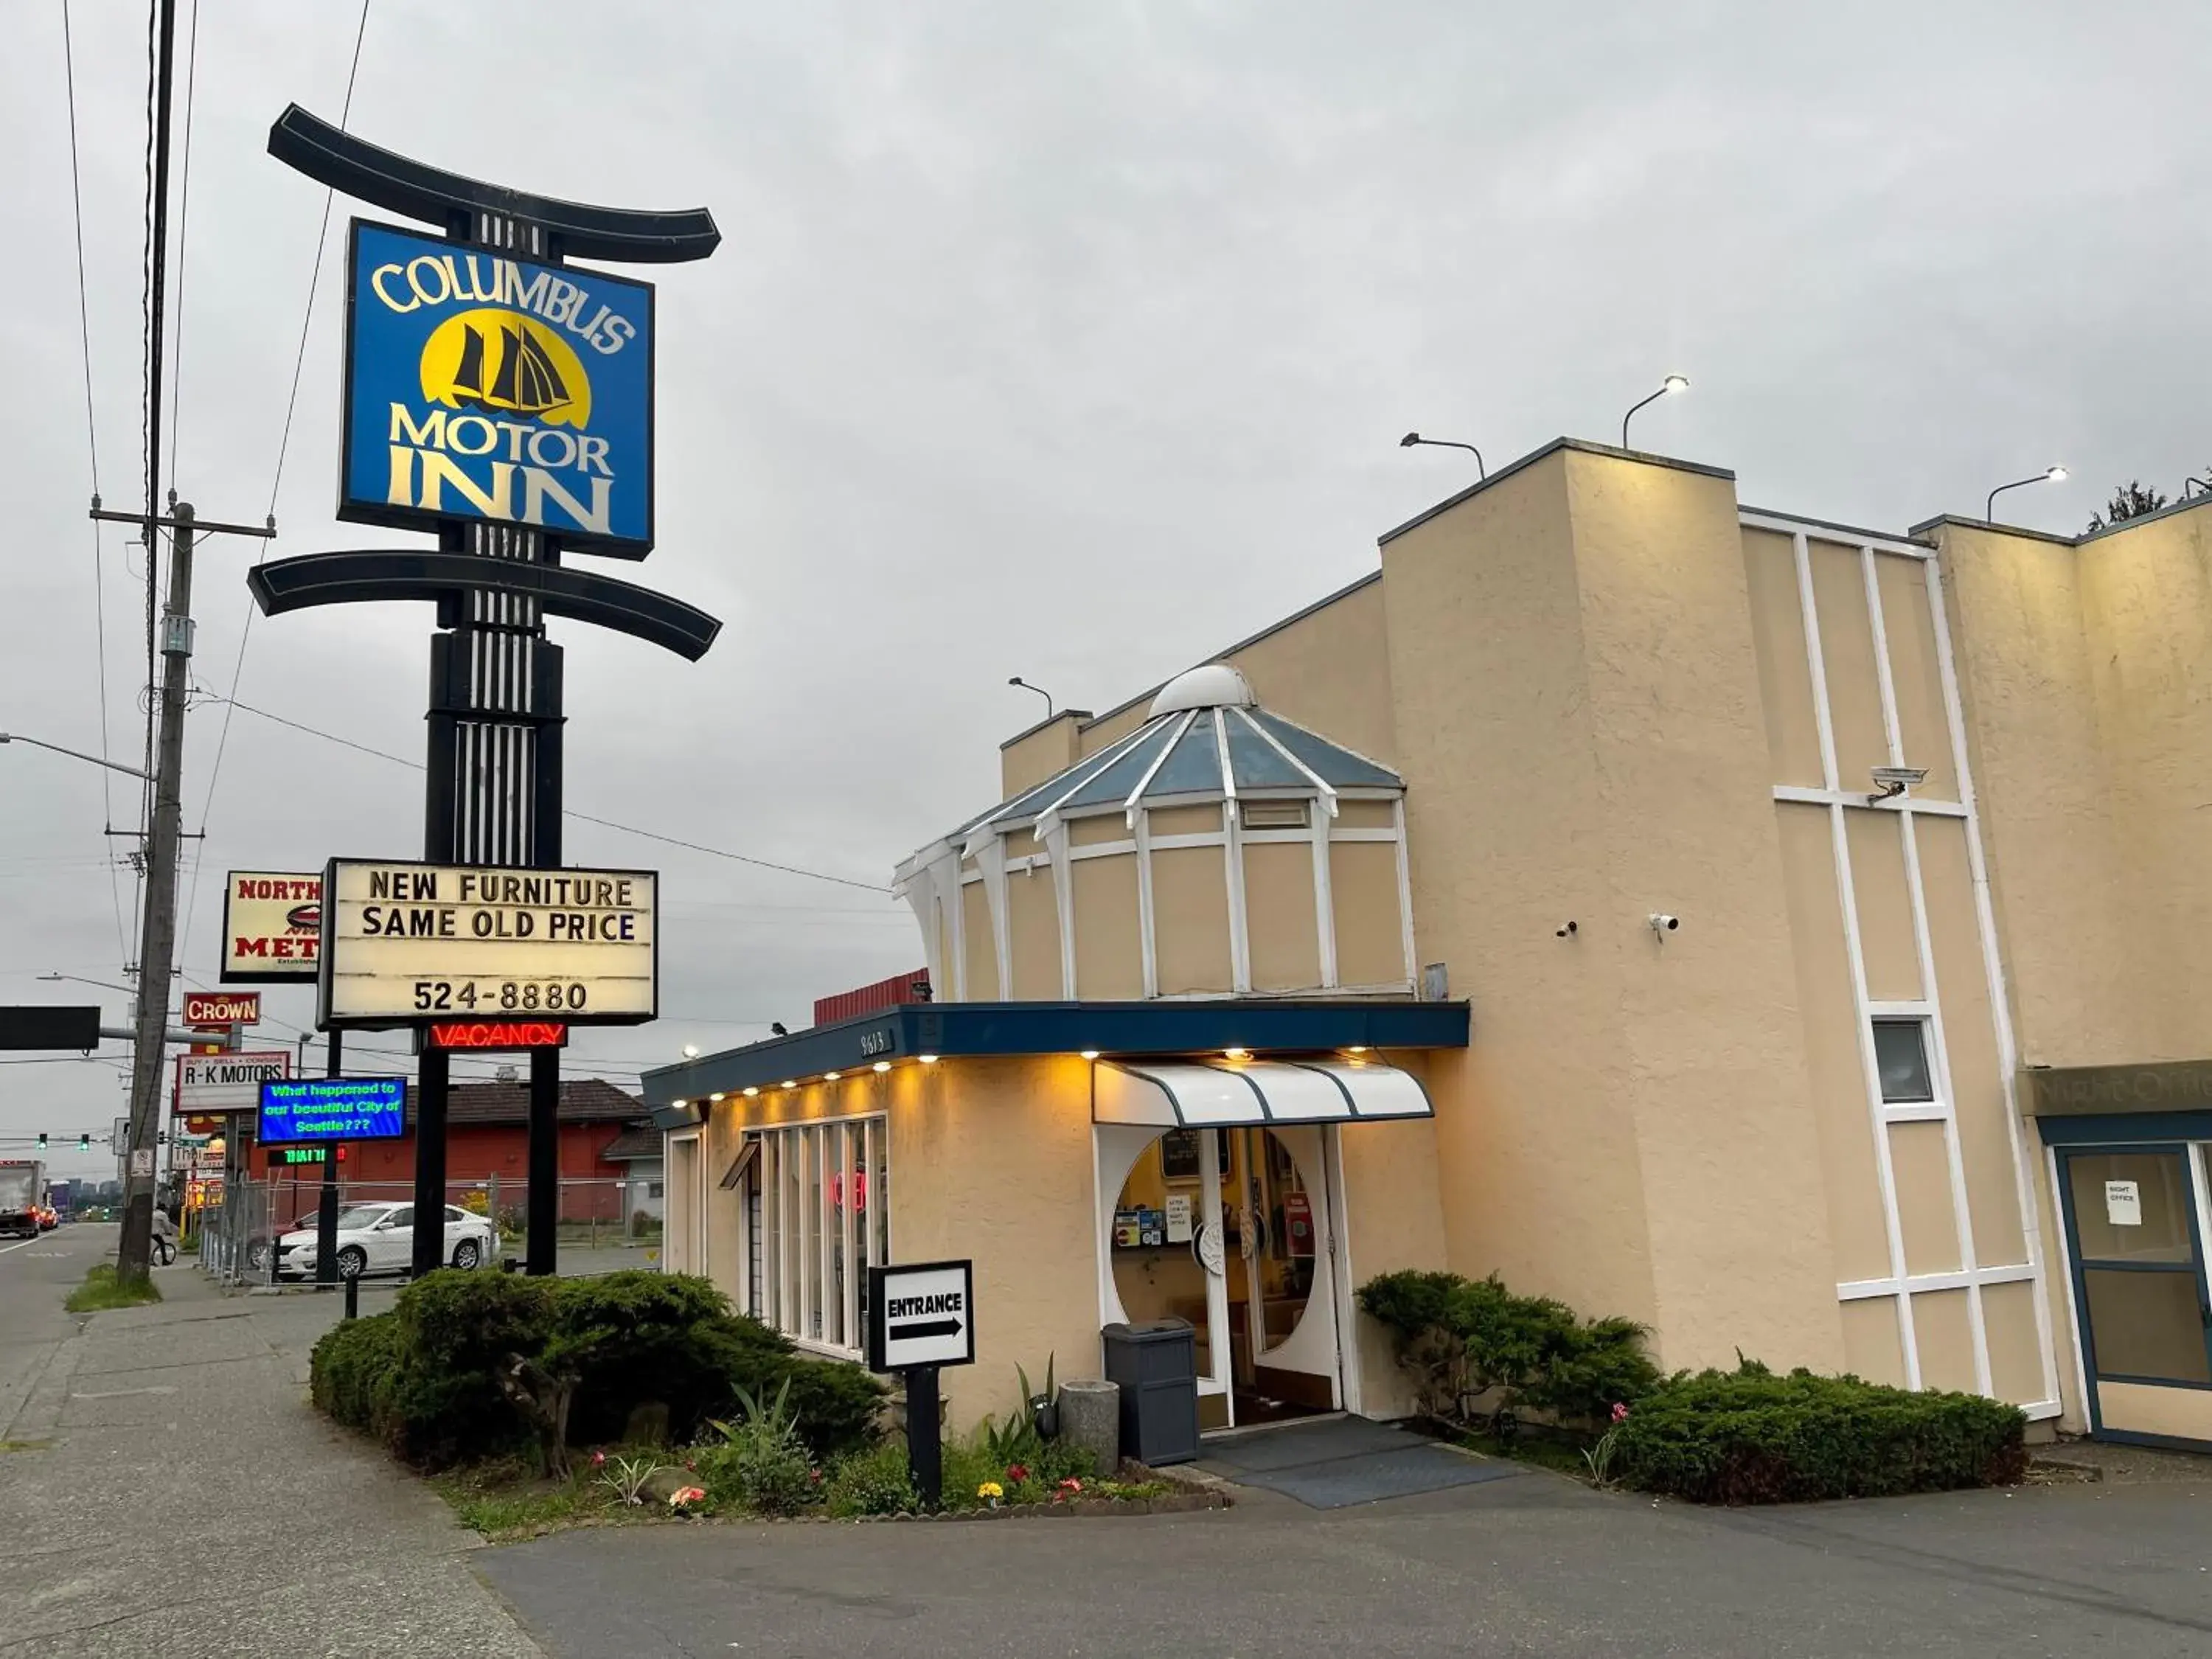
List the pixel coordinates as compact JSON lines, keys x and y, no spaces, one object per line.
{"x":1346,"y":1461}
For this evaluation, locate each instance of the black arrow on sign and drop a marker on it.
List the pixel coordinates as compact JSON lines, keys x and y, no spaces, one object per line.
{"x":914,"y":1331}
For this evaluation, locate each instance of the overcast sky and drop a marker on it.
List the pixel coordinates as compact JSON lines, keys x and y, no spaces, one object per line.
{"x":1071,"y":342}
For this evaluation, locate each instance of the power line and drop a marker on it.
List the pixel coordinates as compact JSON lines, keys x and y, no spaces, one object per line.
{"x":570,"y":812}
{"x":283,"y":447}
{"x":184,"y":220}
{"x":91,"y":449}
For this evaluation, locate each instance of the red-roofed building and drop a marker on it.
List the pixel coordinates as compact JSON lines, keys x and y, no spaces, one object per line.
{"x":488,"y":1138}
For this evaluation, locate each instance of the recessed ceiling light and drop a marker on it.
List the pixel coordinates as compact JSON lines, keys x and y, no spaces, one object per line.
{"x":1091,"y":1054}
{"x":1236,"y":1053}
{"x":714,"y":1096}
{"x":883,"y":1066}
{"x":791,"y":1082}
{"x":751,"y":1092}
{"x":926,"y":1060}
{"x":831,"y":1076}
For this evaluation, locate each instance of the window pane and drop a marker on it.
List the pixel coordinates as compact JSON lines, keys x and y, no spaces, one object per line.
{"x":1900,"y":1057}
{"x":2146,"y":1324}
{"x":2131,"y":1206}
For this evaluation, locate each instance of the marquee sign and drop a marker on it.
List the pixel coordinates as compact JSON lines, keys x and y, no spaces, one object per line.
{"x":425,"y":944}
{"x":272,"y":925}
{"x":228,"y":1082}
{"x":322,"y":1109}
{"x":479,"y":385}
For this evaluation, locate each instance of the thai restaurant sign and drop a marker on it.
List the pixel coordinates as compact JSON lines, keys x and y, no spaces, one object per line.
{"x":483,"y":387}
{"x":425,"y":944}
{"x":271,"y":926}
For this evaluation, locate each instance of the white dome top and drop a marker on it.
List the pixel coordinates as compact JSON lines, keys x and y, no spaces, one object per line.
{"x":1216,"y":685}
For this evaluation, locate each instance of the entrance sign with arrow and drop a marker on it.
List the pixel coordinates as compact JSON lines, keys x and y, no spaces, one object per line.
{"x":922,"y":1316}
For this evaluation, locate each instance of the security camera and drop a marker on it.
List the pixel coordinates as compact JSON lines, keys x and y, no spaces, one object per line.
{"x":1567,"y":932}
{"x":1664,"y":923}
{"x":1897,"y":779}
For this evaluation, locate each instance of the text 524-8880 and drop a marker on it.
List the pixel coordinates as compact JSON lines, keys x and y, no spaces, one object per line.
{"x":508,"y":995}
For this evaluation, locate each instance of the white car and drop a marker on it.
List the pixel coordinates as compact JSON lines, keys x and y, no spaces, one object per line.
{"x":379,"y":1238}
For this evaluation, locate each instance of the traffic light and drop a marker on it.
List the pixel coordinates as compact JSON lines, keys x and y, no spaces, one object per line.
{"x":84,"y":1143}
{"x":42,"y":1140}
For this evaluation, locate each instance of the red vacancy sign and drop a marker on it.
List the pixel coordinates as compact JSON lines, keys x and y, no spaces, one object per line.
{"x":499,"y":1033}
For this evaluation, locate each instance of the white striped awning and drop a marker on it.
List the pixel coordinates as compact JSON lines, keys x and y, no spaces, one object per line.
{"x":1194,"y":1094}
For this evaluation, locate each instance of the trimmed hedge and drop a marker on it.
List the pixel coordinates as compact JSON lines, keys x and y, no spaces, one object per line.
{"x":1463,"y":1337}
{"x":1750,"y":1437}
{"x":423,"y":1378}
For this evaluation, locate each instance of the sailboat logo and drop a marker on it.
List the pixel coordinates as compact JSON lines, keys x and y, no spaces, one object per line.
{"x":503,"y":364}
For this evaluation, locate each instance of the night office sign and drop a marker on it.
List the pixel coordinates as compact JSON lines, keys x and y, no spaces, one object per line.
{"x":424,"y":944}
{"x":480,"y":387}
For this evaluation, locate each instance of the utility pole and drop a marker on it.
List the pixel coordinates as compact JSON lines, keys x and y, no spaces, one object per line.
{"x":159,"y":944}
{"x":158,"y":940}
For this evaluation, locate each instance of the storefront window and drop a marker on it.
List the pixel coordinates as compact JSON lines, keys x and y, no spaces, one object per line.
{"x":818,"y":1220}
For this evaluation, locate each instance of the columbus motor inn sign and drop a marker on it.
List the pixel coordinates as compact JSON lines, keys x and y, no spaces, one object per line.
{"x":483,"y":387}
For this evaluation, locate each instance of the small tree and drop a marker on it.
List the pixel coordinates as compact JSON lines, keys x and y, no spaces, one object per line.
{"x":2130,"y":500}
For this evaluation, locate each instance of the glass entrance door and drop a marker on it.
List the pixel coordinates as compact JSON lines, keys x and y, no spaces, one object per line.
{"x":2134,"y":1232}
{"x":1230,"y":1228}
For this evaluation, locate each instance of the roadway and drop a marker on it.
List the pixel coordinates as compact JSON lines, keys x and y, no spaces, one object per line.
{"x":35,"y":1275}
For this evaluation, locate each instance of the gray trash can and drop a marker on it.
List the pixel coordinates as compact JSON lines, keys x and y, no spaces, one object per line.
{"x":1157,"y":1366}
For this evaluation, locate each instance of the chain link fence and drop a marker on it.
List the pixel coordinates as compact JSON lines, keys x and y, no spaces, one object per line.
{"x":602,"y":1225}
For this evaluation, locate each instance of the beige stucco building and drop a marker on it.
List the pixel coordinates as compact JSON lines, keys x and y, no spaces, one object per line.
{"x":1788,"y":935}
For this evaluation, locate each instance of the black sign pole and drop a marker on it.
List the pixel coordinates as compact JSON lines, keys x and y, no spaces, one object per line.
{"x":925,"y":1448}
{"x":545,"y":1165}
{"x":429,"y":1243}
{"x":327,"y":1212}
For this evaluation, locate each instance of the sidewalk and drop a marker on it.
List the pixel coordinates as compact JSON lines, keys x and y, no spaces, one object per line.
{"x":179,"y":1496}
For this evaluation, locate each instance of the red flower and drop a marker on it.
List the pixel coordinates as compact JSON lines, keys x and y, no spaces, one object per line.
{"x":1620,"y":1412}
{"x":815,"y":1475}
{"x":597,"y":1459}
{"x":1017,"y":1473}
{"x":1071,"y":1485}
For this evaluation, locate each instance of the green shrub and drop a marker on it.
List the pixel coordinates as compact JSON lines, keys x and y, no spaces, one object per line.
{"x":872,"y":1482}
{"x":428,"y":1387}
{"x":1749,"y":1436}
{"x":1461,"y":1337}
{"x":349,"y":1361}
{"x":760,"y":1464}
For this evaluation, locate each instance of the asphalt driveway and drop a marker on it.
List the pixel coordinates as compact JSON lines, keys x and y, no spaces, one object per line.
{"x":1532,"y":1565}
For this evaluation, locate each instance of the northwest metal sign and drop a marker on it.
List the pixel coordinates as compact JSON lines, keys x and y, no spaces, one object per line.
{"x":271,"y":925}
{"x":228,"y":1082}
{"x":423,"y":945}
{"x":479,"y":385}
{"x":332,"y":1108}
{"x":222,"y":1008}
{"x":922,"y":1314}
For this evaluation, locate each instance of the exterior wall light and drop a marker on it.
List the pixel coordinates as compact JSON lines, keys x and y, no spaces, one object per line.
{"x":752,"y":1091}
{"x":926,"y":1060}
{"x":791,"y":1082}
{"x":1090,"y":1054}
{"x":2049,"y":475}
{"x":1668,"y":388}
{"x":691,"y":1051}
{"x":1236,"y":1053}
{"x":831,"y":1076}
{"x":716,"y":1098}
{"x":883,"y":1066}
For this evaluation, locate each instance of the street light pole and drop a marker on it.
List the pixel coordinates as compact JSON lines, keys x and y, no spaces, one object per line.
{"x":159,"y":941}
{"x":74,"y":754}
